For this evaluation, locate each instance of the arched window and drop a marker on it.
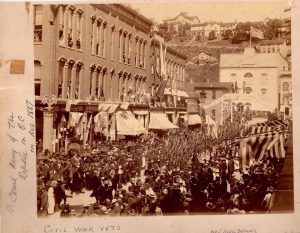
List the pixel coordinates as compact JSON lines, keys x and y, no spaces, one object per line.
{"x":248,"y":75}
{"x":263,"y":91}
{"x":248,"y":90}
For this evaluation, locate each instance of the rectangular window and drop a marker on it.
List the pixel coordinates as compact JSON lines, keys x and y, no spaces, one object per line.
{"x":38,"y":23}
{"x":285,"y":86}
{"x":37,"y":78}
{"x":214,"y":95}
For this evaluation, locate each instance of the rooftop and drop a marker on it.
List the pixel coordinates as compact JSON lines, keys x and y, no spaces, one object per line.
{"x":184,"y":14}
{"x":272,"y":42}
{"x":209,"y":85}
{"x":250,"y":58}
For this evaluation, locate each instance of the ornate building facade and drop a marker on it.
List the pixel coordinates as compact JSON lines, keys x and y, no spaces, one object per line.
{"x":93,"y":58}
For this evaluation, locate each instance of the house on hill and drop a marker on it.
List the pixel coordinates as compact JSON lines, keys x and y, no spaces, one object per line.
{"x":274,"y":46}
{"x":206,"y":57}
{"x":181,"y":19}
{"x":204,"y":29}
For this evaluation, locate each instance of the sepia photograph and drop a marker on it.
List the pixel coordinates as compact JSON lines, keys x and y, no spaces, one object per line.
{"x":141,"y":111}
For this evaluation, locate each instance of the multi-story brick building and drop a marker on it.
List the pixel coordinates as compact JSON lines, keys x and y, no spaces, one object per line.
{"x":92,"y":58}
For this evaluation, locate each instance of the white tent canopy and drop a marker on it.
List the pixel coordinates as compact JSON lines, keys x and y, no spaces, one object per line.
{"x":194,"y":119}
{"x":159,"y":120}
{"x":127,"y":124}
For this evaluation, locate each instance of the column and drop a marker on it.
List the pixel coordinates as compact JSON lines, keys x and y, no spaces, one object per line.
{"x":73,"y":82}
{"x":47,"y":130}
{"x":65,"y":81}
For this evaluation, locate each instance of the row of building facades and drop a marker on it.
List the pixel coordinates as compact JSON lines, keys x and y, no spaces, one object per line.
{"x":107,"y":58}
{"x":101,"y":53}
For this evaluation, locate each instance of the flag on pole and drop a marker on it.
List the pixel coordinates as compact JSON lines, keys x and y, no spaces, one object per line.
{"x":254,"y":32}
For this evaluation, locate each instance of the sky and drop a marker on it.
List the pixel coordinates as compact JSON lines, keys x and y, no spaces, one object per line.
{"x":217,"y":11}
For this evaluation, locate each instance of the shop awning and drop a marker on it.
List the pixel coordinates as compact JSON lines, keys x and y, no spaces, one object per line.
{"x":159,"y":120}
{"x":107,"y":107}
{"x":141,"y":112}
{"x":127,"y":124}
{"x":194,"y":119}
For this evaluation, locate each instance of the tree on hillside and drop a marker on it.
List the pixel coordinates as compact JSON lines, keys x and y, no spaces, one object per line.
{"x":212,"y":35}
{"x":163,"y":28}
{"x":271,"y":29}
{"x":228,"y":34}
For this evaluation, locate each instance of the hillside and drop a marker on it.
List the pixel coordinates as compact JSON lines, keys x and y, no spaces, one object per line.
{"x":206,"y":72}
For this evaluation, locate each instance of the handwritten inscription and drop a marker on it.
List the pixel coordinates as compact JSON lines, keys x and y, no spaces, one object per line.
{"x":20,"y":129}
{"x":51,"y":229}
{"x":234,"y":231}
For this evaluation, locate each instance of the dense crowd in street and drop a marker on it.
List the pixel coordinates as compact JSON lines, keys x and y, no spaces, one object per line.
{"x":182,"y":172}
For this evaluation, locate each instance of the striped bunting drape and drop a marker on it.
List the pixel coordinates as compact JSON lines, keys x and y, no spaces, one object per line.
{"x":264,"y":139}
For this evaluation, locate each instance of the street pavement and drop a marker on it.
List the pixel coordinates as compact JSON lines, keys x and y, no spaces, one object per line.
{"x":284,"y":196}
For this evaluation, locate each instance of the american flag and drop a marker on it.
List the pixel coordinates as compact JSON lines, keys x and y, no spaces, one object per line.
{"x":256,"y":33}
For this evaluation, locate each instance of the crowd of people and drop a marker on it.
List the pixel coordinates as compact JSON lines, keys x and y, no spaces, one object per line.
{"x":184,"y":172}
